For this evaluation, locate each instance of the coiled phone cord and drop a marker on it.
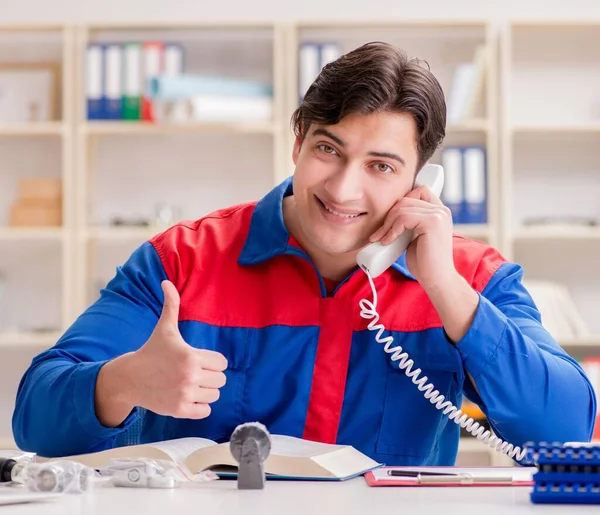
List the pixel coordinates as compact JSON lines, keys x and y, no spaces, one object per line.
{"x":368,"y":310}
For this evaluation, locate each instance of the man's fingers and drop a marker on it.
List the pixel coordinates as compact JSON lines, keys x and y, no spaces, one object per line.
{"x":194,"y":411}
{"x":206,"y":395}
{"x":212,"y":360}
{"x":394,"y":223}
{"x":425,"y":193}
{"x":383,"y":230}
{"x":170,"y":310}
{"x":211,"y":379}
{"x":395,"y":230}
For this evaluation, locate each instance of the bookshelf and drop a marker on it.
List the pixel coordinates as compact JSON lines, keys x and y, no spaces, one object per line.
{"x":185,"y":165}
{"x":40,"y":148}
{"x":550,"y":125}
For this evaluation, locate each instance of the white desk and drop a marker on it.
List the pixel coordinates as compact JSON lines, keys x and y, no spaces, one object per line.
{"x":298,"y":498}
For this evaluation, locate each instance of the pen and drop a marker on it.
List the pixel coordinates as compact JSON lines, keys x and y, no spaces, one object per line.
{"x":416,"y":473}
{"x":465,"y":480}
{"x":449,"y":478}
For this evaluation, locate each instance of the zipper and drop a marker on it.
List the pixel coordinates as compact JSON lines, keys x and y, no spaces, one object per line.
{"x":294,"y":251}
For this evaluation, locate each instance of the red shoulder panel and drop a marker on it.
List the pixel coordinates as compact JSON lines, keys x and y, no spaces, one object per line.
{"x":200,"y":258}
{"x":405,"y":307}
{"x":476,"y":261}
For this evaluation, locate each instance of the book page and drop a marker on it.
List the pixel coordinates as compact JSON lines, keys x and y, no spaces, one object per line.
{"x":178,"y":450}
{"x":345,"y":462}
{"x":296,"y":447}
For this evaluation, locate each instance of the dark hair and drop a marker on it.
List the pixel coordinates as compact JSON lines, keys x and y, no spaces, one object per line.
{"x":376,"y":77}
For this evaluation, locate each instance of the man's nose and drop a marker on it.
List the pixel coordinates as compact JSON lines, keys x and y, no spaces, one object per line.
{"x":346,"y":185}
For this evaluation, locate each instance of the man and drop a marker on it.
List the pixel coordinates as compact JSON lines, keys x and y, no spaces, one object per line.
{"x":252,"y":313}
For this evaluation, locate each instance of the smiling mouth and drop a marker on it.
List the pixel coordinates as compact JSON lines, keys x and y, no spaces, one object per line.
{"x":337,"y":213}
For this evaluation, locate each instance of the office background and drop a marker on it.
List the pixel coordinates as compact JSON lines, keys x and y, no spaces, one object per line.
{"x":79,"y":191}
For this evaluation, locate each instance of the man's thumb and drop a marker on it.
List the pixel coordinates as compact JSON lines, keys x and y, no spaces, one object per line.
{"x":170,"y":310}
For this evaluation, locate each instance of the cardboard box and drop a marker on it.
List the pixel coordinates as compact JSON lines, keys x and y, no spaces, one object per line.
{"x":40,"y":189}
{"x":36,"y":213}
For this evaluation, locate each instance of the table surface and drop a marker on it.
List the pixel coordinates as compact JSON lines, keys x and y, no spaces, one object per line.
{"x":294,"y":498}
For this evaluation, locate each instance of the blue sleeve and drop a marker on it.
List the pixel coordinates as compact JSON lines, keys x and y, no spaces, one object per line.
{"x":529,"y":388}
{"x":54,"y":412}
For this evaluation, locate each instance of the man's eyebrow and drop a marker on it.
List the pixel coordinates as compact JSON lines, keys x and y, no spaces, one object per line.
{"x":340,"y":142}
{"x":325,"y":132}
{"x":389,"y":155}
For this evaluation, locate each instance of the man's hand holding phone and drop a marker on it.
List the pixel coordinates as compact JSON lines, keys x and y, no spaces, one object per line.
{"x":429,"y":257}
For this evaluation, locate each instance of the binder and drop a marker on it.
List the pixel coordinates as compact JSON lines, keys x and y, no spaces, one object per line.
{"x":229,"y":109}
{"x":93,"y":81}
{"x":475,"y":180}
{"x":190,"y":85}
{"x":174,"y":60}
{"x":312,"y":58}
{"x":467,"y":88}
{"x":153,"y":53}
{"x":451,"y":476}
{"x":453,"y":192}
{"x":458,"y":96}
{"x":309,"y":66}
{"x":132,"y":84}
{"x":113,"y":82}
{"x":329,"y":52}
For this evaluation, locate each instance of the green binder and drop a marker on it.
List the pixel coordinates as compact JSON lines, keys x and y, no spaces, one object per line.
{"x":132,"y":85}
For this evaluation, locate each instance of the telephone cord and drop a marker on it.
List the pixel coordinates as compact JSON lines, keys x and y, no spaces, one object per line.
{"x":368,"y":310}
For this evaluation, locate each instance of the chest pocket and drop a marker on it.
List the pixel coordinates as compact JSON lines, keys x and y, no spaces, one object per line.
{"x":237,"y":345}
{"x":410,"y":424}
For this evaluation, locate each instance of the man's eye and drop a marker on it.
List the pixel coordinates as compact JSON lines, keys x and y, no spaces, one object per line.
{"x":382,"y":167}
{"x":326,"y":148}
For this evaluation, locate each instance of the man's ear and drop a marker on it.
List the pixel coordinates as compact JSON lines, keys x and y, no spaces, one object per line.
{"x":296,"y":149}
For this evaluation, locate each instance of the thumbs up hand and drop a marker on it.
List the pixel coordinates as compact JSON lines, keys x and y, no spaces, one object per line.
{"x":170,"y":377}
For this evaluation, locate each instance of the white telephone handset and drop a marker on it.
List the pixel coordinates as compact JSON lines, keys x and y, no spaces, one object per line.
{"x":377,"y":258}
{"x":374,"y":259}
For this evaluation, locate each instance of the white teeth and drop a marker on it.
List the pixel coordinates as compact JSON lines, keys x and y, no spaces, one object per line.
{"x":339,"y":214}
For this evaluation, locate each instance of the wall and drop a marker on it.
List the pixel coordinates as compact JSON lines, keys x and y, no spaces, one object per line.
{"x":110,"y":10}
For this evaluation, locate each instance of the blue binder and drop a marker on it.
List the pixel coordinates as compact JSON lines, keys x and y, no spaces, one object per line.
{"x":94,"y":81}
{"x":453,"y":193}
{"x":475,"y":183}
{"x":309,"y":66}
{"x":113,"y":81}
{"x":312,"y":57}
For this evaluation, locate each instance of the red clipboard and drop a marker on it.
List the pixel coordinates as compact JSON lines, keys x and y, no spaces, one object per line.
{"x":452,"y":476}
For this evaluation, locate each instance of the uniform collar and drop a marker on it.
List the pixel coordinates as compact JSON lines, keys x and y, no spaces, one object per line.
{"x":268,"y":236}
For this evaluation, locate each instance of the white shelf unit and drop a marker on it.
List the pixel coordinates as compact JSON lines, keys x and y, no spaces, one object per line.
{"x":444,"y":45}
{"x":98,"y":128}
{"x":37,"y":261}
{"x":550,"y":129}
{"x":126,"y":169}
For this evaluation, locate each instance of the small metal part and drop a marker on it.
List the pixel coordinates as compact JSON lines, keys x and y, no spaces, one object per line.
{"x":250,"y":445}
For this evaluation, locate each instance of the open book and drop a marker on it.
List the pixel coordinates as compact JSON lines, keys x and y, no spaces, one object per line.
{"x":290,"y":457}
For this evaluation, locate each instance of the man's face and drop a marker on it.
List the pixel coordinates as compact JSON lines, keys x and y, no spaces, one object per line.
{"x":349,"y":175}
